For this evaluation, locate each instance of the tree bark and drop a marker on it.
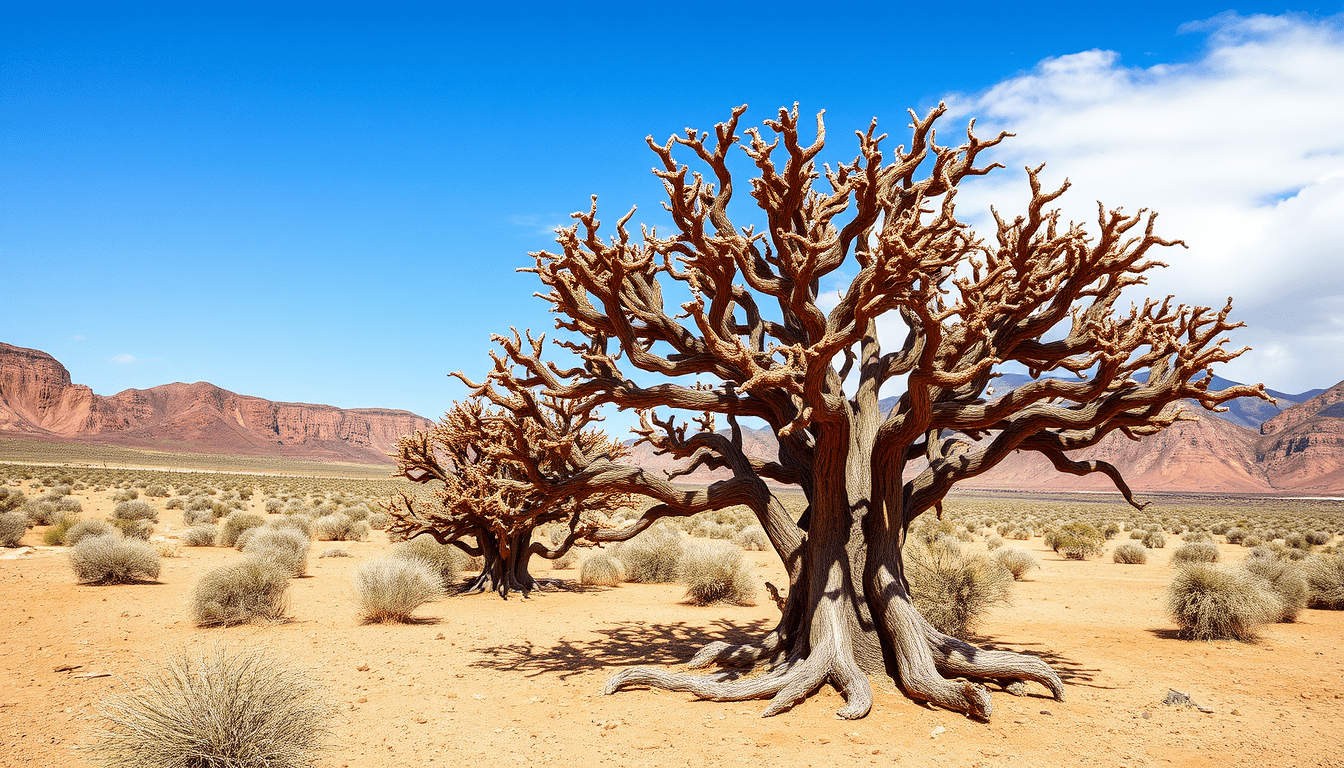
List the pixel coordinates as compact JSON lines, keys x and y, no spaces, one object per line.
{"x":504,"y":570}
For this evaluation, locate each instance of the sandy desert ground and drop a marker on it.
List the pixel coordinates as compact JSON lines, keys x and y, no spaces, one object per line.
{"x":518,"y":682}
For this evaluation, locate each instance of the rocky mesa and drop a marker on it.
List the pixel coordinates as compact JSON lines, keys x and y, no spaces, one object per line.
{"x":38,"y":399}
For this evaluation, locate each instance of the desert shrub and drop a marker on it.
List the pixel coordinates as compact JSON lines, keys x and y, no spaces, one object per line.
{"x":245,"y":537}
{"x":1325,"y":581}
{"x":379,"y":521}
{"x":1317,"y":538}
{"x":11,"y":499}
{"x":927,"y":529}
{"x":286,"y":549}
{"x":69,"y":505}
{"x":391,"y":588}
{"x":357,"y":512}
{"x":715,"y":572}
{"x":55,"y":535}
{"x":176,"y":502}
{"x":1209,"y":603}
{"x":274,"y":506}
{"x":1196,"y":552}
{"x":198,"y":517}
{"x":135,"y":510}
{"x":41,"y":512}
{"x":338,"y":527}
{"x":1282,"y":578}
{"x":1075,"y":541}
{"x":1017,"y":561}
{"x":1019,"y":534}
{"x":1137,"y":534}
{"x":994,"y":542}
{"x":134,"y":529}
{"x":156,"y":490}
{"x":200,"y":504}
{"x":1252,"y":541}
{"x":1155,"y":540}
{"x":1236,"y":535}
{"x":235,"y":524}
{"x":752,"y":538}
{"x":1110,"y":531}
{"x":222,"y":509}
{"x":202,"y":535}
{"x":653,"y":557}
{"x":445,"y":559}
{"x":1194,"y":537}
{"x":601,"y":570}
{"x":1221,"y":528}
{"x":242,"y":592}
{"x":125,"y":494}
{"x":12,"y":528}
{"x":251,"y":709}
{"x":1130,"y":553}
{"x":168,"y":548}
{"x":951,"y":588}
{"x":334,"y":552}
{"x":292,"y":523}
{"x":109,"y":560}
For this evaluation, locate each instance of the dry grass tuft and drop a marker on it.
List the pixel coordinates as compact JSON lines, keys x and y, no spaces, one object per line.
{"x":1195,"y":552}
{"x":447,"y":560}
{"x":653,"y":557}
{"x":601,"y":570}
{"x":952,"y":588}
{"x":286,"y":549}
{"x":12,"y":528}
{"x":1017,"y":561}
{"x":242,"y":592}
{"x":1325,"y":580}
{"x":1284,"y":579}
{"x":1209,"y":603}
{"x":1130,"y":553}
{"x":109,"y":560}
{"x":715,"y":572}
{"x":251,"y":709}
{"x":391,"y":588}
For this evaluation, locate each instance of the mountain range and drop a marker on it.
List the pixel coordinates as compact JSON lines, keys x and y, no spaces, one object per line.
{"x":38,"y":400}
{"x":1293,"y":447}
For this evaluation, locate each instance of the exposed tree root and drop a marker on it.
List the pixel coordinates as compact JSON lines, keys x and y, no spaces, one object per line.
{"x":959,"y":658}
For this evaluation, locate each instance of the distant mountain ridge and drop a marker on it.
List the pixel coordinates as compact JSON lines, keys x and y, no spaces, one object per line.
{"x":38,"y":399}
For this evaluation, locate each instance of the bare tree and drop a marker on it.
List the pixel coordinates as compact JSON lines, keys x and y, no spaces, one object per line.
{"x":755,"y":331}
{"x":472,"y":455}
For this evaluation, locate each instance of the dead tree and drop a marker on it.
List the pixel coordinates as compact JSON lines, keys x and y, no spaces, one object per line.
{"x":470,"y":456}
{"x":764,"y":330}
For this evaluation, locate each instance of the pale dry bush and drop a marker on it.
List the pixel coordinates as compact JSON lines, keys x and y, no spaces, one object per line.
{"x":653,"y":557}
{"x":243,"y":592}
{"x":234,"y":526}
{"x":1155,"y":540}
{"x":715,"y":572}
{"x":109,"y":560}
{"x":135,"y":510}
{"x":1130,"y":553}
{"x":752,"y":538}
{"x":86,"y":528}
{"x":1325,"y":580}
{"x":1195,"y":552}
{"x":951,"y":588}
{"x":168,"y":548}
{"x":339,"y":527}
{"x":391,"y":588}
{"x":445,"y":559}
{"x":565,"y":561}
{"x":12,"y":528}
{"x":200,"y":535}
{"x":251,"y":709}
{"x":1284,"y":579}
{"x":1017,"y":561}
{"x":334,"y":552}
{"x":286,"y":549}
{"x":601,"y":570}
{"x":1209,"y":603}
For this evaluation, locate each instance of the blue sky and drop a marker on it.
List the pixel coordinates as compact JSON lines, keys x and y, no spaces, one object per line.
{"x":326,"y":203}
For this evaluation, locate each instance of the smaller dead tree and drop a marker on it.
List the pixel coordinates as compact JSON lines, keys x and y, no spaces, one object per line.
{"x":474,"y":456}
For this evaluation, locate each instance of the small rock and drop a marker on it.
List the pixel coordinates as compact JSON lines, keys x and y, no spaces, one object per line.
{"x":440,"y":636}
{"x":421,"y":720}
{"x":362,"y":668}
{"x":1047,"y":712}
{"x":1236,"y":712}
{"x":362,"y":700}
{"x":937,"y":731}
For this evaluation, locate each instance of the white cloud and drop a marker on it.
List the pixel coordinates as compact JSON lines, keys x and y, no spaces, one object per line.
{"x":1242,"y":152}
{"x":123,"y":359}
{"x":543,"y":224}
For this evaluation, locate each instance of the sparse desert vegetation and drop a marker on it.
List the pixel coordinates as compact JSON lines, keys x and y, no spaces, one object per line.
{"x":219,"y":586}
